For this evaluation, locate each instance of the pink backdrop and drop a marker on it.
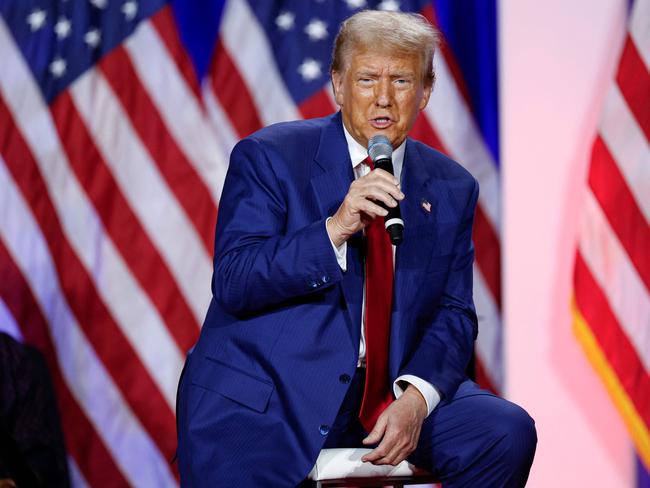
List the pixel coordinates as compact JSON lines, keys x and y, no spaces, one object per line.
{"x":557,"y":60}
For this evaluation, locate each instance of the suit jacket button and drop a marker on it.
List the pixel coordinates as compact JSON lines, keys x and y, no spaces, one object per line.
{"x":325,"y":279}
{"x":312,"y":284}
{"x":324,"y":429}
{"x":345,"y":379}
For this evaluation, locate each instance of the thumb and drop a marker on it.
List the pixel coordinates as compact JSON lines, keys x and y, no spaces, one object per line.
{"x":377,"y":431}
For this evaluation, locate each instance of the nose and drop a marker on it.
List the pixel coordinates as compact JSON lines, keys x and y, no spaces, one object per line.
{"x":384,"y":93}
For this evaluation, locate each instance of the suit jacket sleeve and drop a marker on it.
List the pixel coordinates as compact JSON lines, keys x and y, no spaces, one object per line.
{"x":446,"y":341}
{"x":258,"y":263}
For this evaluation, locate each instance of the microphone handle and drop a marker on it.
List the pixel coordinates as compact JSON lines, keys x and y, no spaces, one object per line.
{"x":393,"y":220}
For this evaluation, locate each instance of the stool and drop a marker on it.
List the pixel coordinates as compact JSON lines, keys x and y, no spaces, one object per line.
{"x":344,"y":468}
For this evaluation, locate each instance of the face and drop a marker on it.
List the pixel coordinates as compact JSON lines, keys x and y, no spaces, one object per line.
{"x":380,"y":93}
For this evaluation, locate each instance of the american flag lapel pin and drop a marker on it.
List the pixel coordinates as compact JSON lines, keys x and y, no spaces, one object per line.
{"x":426,"y":205}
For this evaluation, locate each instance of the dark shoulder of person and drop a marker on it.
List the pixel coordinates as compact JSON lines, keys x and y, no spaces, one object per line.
{"x":32,"y":451}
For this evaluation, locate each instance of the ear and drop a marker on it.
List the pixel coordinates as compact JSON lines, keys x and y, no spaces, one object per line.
{"x":426,"y":93}
{"x":337,"y":86}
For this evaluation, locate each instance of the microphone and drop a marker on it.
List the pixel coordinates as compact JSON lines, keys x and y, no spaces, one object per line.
{"x":381,"y":153}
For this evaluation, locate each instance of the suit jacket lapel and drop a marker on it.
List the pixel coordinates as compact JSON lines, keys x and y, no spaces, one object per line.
{"x":331,"y":177}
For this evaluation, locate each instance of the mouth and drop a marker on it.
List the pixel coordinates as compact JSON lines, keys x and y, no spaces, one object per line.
{"x":381,"y":122}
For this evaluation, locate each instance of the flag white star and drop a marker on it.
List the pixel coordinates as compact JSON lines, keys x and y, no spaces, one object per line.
{"x":390,"y":5}
{"x":356,"y":3}
{"x":99,"y":3}
{"x":309,"y":69}
{"x":62,"y":28}
{"x":92,"y":38}
{"x":316,"y":30}
{"x":36,"y":19}
{"x":58,"y":67}
{"x":130,"y":9}
{"x":285,"y":21}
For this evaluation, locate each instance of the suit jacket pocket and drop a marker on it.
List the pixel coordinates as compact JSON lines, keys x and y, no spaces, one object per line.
{"x":233,"y":383}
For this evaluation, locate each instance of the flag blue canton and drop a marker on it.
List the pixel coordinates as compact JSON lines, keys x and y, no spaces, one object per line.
{"x":60,"y":40}
{"x":301,"y":34}
{"x":470,"y":30}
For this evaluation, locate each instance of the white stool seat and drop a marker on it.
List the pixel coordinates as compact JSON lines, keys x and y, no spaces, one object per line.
{"x":346,"y":463}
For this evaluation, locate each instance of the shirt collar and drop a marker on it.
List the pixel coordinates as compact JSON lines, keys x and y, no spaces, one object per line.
{"x":358,"y":153}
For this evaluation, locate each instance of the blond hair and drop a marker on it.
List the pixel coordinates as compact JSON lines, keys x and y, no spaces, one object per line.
{"x":394,"y":32}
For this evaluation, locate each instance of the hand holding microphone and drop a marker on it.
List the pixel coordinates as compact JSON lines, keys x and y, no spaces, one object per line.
{"x":376,"y":194}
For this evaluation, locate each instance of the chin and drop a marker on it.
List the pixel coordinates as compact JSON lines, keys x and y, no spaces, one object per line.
{"x":384,"y":132}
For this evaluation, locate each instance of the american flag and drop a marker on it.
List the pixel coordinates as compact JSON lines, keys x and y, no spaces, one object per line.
{"x":113,"y":152}
{"x":612,"y":268}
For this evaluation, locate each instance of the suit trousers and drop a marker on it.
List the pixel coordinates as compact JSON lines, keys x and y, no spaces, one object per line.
{"x":475,"y":439}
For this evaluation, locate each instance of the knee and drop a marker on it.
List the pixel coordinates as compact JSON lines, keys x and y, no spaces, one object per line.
{"x":483,"y":441}
{"x":516,"y":436}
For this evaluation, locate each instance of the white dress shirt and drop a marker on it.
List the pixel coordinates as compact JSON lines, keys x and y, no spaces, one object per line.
{"x":358,"y":154}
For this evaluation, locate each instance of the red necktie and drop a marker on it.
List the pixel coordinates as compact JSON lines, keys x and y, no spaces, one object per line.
{"x":379,"y":296}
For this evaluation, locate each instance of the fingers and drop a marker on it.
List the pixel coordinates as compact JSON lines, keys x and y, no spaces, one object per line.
{"x":377,"y":431}
{"x":393,"y":449}
{"x":379,"y":186}
{"x":384,"y":175}
{"x":363,"y":203}
{"x":399,"y":431}
{"x":371,"y":209}
{"x":365,"y":197}
{"x":395,"y":444}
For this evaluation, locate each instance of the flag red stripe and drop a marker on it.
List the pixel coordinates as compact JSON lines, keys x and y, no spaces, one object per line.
{"x":181,"y":177}
{"x":488,"y":253}
{"x":486,"y":241}
{"x":318,"y":105}
{"x":111,"y":346}
{"x":231,"y":91}
{"x":620,"y":353}
{"x":621,"y":209}
{"x":82,"y":441}
{"x":142,"y":257}
{"x":422,"y":131}
{"x":165,"y":25}
{"x":633,"y":79}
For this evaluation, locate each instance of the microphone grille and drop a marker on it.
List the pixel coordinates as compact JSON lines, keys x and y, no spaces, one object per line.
{"x":379,"y":148}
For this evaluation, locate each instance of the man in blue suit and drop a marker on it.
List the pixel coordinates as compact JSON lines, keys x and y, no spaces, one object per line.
{"x":279,"y":371}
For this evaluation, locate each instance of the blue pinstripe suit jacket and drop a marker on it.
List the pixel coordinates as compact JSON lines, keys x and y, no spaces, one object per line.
{"x":282,"y":331}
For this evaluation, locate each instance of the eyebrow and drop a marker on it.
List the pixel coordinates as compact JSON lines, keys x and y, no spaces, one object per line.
{"x":367,"y":73}
{"x":401,"y":74}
